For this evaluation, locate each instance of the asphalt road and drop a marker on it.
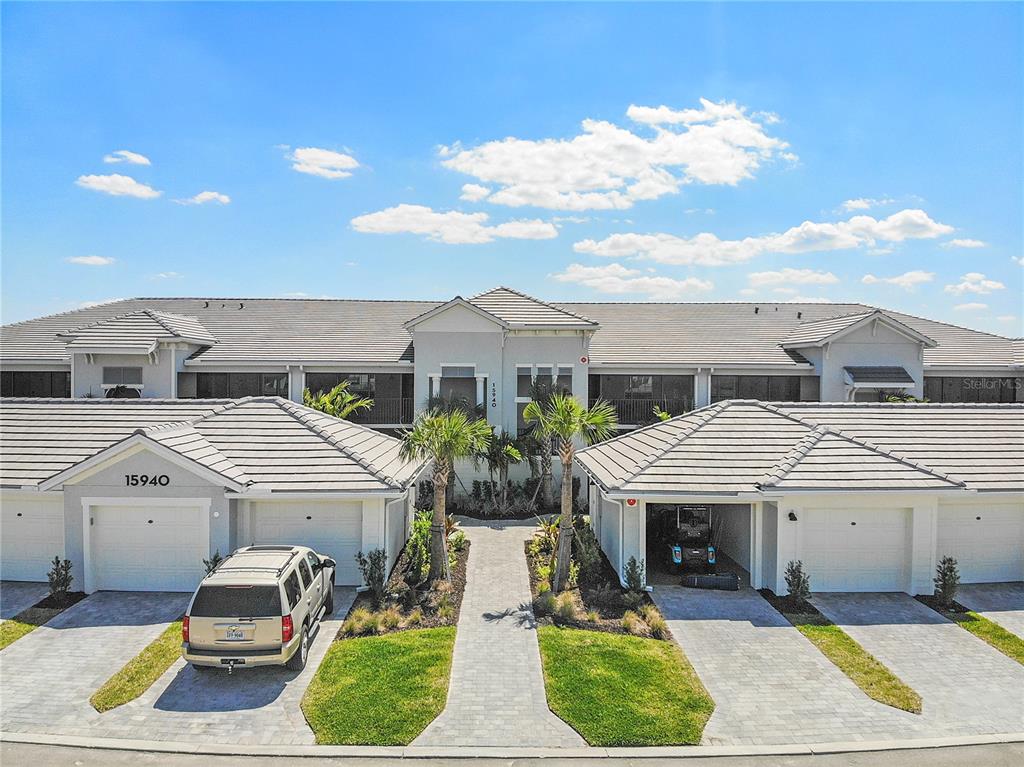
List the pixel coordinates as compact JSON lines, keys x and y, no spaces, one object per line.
{"x":1005,"y":755}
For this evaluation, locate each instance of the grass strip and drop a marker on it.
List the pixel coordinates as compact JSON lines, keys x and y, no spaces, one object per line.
{"x":24,"y":622}
{"x":140,"y":672}
{"x":1008,"y":643}
{"x":621,"y":690}
{"x":380,"y":690}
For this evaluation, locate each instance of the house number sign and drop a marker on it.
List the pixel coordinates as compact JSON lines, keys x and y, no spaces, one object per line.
{"x":494,"y":395}
{"x":144,"y":480}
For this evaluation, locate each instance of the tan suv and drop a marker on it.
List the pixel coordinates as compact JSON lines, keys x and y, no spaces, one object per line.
{"x":258,"y":608}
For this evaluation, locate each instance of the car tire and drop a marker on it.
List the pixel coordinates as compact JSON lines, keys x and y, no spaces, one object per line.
{"x":329,"y":602}
{"x":298,"y":660}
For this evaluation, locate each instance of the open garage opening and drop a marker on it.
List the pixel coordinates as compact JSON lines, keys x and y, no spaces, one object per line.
{"x":696,"y":538}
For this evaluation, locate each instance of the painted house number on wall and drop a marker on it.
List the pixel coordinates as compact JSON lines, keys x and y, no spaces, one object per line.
{"x":494,"y":395}
{"x":141,"y":480}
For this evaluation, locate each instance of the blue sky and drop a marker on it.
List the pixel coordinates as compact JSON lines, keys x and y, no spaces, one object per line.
{"x":867,"y":152}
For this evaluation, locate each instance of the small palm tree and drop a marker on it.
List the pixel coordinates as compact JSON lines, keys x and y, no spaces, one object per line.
{"x":443,"y":437}
{"x":566,"y":418}
{"x":541,"y":391}
{"x":339,"y":401}
{"x":502,"y":452}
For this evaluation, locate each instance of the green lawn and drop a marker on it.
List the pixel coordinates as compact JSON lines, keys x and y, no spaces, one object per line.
{"x":24,"y":622}
{"x":141,"y":671}
{"x":621,"y":690}
{"x":877,"y":681}
{"x":1004,"y":641}
{"x":380,"y":690}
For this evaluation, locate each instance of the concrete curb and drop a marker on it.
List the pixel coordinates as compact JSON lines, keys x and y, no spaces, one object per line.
{"x":469,"y":752}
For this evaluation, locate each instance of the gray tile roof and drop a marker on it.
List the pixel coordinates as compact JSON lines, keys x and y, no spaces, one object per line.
{"x":344,"y":331}
{"x":744,"y":446}
{"x":879,"y":374}
{"x":815,"y":331}
{"x":138,"y":329}
{"x":266,"y":443}
{"x":520,"y":310}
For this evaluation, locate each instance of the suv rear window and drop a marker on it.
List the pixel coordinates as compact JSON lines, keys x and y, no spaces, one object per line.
{"x":237,"y":602}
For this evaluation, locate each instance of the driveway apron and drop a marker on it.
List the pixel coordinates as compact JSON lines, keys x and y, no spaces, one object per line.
{"x":1002,"y":603}
{"x":496,"y":695}
{"x":967,"y":686}
{"x":769,"y":683}
{"x":48,"y":675}
{"x":16,"y":596}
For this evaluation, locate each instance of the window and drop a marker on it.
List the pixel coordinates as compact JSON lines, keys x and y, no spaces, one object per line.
{"x":122,"y":376}
{"x":243,"y":384}
{"x":314,"y":562}
{"x":658,"y":387}
{"x":764,"y":388}
{"x":307,"y":578}
{"x":24,"y":383}
{"x":235,"y":385}
{"x":237,"y":602}
{"x":971,"y":389}
{"x":363,"y":384}
{"x":292,"y":590}
{"x":455,"y":371}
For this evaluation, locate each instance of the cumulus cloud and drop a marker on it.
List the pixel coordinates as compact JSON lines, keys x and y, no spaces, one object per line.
{"x":707,"y":249}
{"x":974,"y":282}
{"x":610,"y":167}
{"x":119,"y":186}
{"x":972,"y":307}
{"x":789,"y":276}
{"x":965,"y":243}
{"x":907,"y":280}
{"x":168,"y":275}
{"x":866,"y":203}
{"x":91,"y":260}
{"x":123,"y":155}
{"x":324,"y":163}
{"x":615,"y":279}
{"x":474,"y":192}
{"x":205,"y":197}
{"x":452,"y":227}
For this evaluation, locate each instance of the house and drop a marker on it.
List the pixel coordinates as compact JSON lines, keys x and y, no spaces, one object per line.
{"x":869,"y":496}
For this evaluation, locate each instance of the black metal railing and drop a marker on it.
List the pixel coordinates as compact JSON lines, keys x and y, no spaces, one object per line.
{"x":634,"y":412}
{"x":385,"y":410}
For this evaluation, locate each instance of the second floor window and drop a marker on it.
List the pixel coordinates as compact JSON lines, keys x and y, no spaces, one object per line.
{"x":122,"y":376}
{"x":764,"y":388}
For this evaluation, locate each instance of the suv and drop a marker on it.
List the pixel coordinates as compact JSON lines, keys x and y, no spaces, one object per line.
{"x":257,"y":608}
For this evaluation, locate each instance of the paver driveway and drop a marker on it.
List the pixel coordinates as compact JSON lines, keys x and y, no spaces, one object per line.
{"x":999,"y":602}
{"x":967,"y":686}
{"x":16,"y":596}
{"x":769,"y":683}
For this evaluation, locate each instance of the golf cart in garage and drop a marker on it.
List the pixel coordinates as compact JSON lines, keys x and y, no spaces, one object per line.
{"x":682,"y":543}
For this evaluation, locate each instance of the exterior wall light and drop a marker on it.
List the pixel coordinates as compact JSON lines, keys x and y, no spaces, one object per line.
{"x":792,"y":516}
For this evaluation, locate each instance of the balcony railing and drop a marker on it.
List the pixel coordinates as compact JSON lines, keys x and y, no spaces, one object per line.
{"x":385,"y":410}
{"x":634,"y":412}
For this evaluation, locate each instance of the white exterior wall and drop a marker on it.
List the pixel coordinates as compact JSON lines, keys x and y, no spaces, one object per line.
{"x":769,"y":543}
{"x":985,"y":534}
{"x":733,"y":520}
{"x":611,"y":533}
{"x":159,"y":378}
{"x":32,"y":533}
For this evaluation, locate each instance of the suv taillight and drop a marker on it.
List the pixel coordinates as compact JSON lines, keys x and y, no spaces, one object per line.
{"x":287,"y":629}
{"x":184,"y":629}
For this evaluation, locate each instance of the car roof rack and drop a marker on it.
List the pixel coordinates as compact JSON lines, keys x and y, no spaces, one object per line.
{"x":257,"y":568}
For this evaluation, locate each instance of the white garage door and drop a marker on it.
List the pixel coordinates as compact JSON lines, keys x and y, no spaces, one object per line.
{"x":148,"y":548}
{"x":987,"y":541}
{"x":856,"y":549}
{"x":31,"y":535}
{"x":333,"y":529}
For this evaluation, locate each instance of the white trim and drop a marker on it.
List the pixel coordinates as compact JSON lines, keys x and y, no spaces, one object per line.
{"x":457,"y":301}
{"x":878,"y":315}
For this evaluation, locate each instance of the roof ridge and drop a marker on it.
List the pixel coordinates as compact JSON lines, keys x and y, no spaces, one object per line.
{"x":121,"y":316}
{"x":796,"y":454}
{"x":708,"y":414}
{"x":541,"y":301}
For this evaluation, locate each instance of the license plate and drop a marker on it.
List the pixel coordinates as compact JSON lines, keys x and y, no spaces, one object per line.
{"x":234,"y":634}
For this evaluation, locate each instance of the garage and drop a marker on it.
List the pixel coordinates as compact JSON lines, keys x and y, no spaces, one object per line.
{"x":987,"y":540}
{"x":33,"y":534}
{"x":147,"y":548}
{"x":334,"y":528}
{"x":856,"y":549}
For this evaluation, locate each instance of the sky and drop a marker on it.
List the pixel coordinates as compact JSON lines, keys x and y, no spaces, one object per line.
{"x":587,"y":152}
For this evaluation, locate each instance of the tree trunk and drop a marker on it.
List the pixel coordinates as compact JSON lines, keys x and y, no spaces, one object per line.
{"x":438,"y":540}
{"x":503,"y":479}
{"x":564,"y":556}
{"x":546,"y":491}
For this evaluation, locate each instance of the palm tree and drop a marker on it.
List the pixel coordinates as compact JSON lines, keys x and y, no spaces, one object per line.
{"x":540,"y":392}
{"x":502,"y":451}
{"x":566,"y":418}
{"x":443,"y":437}
{"x":339,"y":401}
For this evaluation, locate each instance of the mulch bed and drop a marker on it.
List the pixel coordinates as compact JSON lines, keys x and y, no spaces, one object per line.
{"x":955,"y":608}
{"x":51,"y":603}
{"x":790,"y":606}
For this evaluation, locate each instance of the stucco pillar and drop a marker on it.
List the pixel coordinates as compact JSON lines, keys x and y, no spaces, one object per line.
{"x":924,"y":520}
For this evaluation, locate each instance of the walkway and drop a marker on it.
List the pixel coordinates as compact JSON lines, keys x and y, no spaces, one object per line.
{"x":16,"y":596}
{"x":496,"y":695}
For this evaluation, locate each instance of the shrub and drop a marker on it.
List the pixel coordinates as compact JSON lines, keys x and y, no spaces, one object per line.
{"x":391,"y":618}
{"x":587,"y":553}
{"x":593,"y":616}
{"x":544,"y":572}
{"x":631,"y":622}
{"x":658,"y":627}
{"x":419,"y":548}
{"x":213,"y":562}
{"x":373,"y":567}
{"x":605,"y":595}
{"x":457,"y":541}
{"x":60,"y":579}
{"x":633,"y":600}
{"x":425,"y":495}
{"x":414,"y":618}
{"x":543,"y":587}
{"x":445,"y":609}
{"x":547,"y":532}
{"x":359,"y":622}
{"x":565,"y":609}
{"x":648,"y":612}
{"x":634,"y":575}
{"x":798,"y":583}
{"x":947,"y":580}
{"x":546,"y":603}
{"x":574,"y":574}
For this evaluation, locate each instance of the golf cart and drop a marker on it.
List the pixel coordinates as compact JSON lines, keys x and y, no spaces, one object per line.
{"x":682,"y":535}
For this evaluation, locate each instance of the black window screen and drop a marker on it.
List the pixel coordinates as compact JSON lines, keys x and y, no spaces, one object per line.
{"x":237,"y":602}
{"x":20,"y":383}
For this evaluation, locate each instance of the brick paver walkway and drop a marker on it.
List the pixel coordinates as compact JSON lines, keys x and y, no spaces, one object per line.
{"x":16,"y":596}
{"x":769,"y":683}
{"x":999,"y":602}
{"x":968,"y":687}
{"x":496,"y":695}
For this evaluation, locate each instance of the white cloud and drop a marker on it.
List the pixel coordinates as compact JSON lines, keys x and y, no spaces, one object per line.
{"x":474,"y":192}
{"x":452,"y":227}
{"x":785,"y":291}
{"x":91,"y":260}
{"x":1019,"y":261}
{"x":118,"y":185}
{"x":866,"y":203}
{"x":974,"y":282}
{"x":168,"y":275}
{"x":204,"y":197}
{"x":616,"y":279}
{"x":322,"y":162}
{"x":789,"y":276}
{"x":610,"y":167}
{"x":965,"y":243}
{"x":973,"y":307}
{"x":707,"y":249}
{"x":123,"y":155}
{"x":748,"y":292}
{"x":907,"y":280}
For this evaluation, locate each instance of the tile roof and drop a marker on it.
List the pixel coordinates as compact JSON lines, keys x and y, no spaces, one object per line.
{"x":819,"y":332}
{"x":520,"y":310}
{"x":743,"y":446}
{"x":879,"y":374}
{"x":140,"y":329}
{"x":266,"y":443}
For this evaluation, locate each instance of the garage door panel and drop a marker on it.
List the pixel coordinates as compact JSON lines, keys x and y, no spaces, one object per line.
{"x":333,"y":529}
{"x":31,"y":535}
{"x":856,"y":549}
{"x":986,"y":540}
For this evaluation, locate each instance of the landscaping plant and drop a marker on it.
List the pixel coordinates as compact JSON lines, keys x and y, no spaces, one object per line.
{"x":947,"y":580}
{"x":338,"y":402}
{"x":213,"y":562}
{"x":567,"y":419}
{"x":60,"y":579}
{"x":373,"y":567}
{"x":798,"y":583}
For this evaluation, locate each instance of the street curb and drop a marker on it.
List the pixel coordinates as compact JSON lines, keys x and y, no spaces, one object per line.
{"x":469,"y":752}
